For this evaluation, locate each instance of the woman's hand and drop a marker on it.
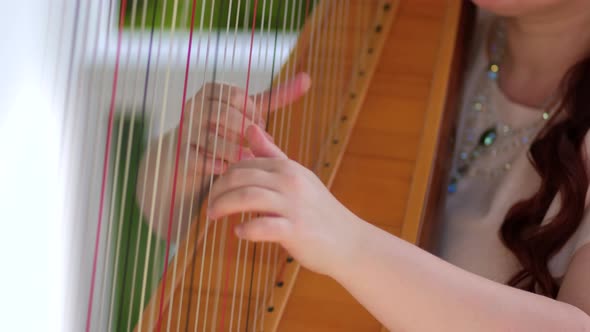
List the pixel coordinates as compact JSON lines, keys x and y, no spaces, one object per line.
{"x":296,"y":208}
{"x":211,"y":135}
{"x":217,"y":115}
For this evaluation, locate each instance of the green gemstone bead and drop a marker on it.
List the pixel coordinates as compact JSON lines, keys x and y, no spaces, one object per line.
{"x":488,"y":137}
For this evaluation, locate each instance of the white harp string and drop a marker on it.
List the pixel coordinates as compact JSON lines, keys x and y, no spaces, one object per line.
{"x":180,"y":217}
{"x":194,"y":184}
{"x":217,"y":271}
{"x":148,"y":148}
{"x":111,"y":217}
{"x":157,"y":167}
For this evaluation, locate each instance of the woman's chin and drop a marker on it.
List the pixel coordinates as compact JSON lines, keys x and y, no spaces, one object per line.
{"x":512,"y":8}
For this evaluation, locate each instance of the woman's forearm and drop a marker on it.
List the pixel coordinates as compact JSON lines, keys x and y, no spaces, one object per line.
{"x":408,"y":289}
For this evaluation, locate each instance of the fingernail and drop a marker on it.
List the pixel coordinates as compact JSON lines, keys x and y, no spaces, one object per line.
{"x":305,"y":82}
{"x":239,"y":231}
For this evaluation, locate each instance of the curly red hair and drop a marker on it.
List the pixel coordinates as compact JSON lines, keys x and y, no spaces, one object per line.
{"x":557,"y":155}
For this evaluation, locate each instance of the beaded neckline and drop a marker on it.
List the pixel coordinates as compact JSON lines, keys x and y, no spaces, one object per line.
{"x":492,"y":138}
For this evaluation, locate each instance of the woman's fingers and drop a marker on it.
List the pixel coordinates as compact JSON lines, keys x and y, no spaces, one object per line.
{"x":201,"y":164}
{"x":223,"y":122}
{"x":284,"y":94}
{"x":222,"y":148}
{"x":256,"y":106}
{"x":230,"y":120}
{"x":226,"y":144}
{"x":220,"y":118}
{"x":229,"y":96}
{"x":261,"y":145}
{"x":264,"y":229}
{"x":242,"y":177}
{"x":219,"y":131}
{"x":245,"y":199}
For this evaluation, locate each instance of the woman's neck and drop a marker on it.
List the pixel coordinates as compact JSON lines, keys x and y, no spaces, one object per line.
{"x":541,"y":48}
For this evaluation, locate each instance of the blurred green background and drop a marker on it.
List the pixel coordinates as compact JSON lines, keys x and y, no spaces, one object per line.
{"x":241,"y":12}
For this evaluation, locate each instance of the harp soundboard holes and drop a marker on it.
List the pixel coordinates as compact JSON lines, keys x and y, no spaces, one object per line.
{"x":280,"y":284}
{"x":378,"y":28}
{"x":352,"y":95}
{"x":289,"y":259}
{"x":335,"y":141}
{"x":386,"y":6}
{"x":271,"y":309}
{"x":370,"y":50}
{"x":343,"y":118}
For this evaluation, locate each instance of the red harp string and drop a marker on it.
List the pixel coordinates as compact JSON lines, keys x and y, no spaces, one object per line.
{"x":106,"y":163}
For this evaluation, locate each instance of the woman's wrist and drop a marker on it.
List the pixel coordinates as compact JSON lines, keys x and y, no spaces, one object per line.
{"x":368,"y":244}
{"x":353,"y":250}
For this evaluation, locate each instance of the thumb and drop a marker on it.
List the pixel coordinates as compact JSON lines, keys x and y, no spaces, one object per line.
{"x":285,"y":93}
{"x":261,"y":145}
{"x":263,"y":229}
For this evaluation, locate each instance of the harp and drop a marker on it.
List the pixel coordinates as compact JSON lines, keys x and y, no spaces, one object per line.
{"x":374,"y":127}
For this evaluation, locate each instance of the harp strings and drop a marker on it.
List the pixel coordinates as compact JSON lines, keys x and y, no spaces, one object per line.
{"x":111,"y":225}
{"x":260,"y":247}
{"x":326,"y":66}
{"x":309,"y":124}
{"x":328,"y":63}
{"x":158,"y":168}
{"x":214,"y":154}
{"x":223,"y":286}
{"x":264,"y":246}
{"x":180,"y":219}
{"x":268,"y":280}
{"x":75,"y":61}
{"x":333,"y":88}
{"x":218,"y":115}
{"x":210,"y":183}
{"x":204,"y":161}
{"x":198,"y":157}
{"x":341,"y":78}
{"x":164,"y":164}
{"x":204,"y":117}
{"x":292,"y":71}
{"x":131,"y":143}
{"x":154,"y":262}
{"x":338,"y":93}
{"x":249,"y":215}
{"x":71,"y":122}
{"x":176,"y":152}
{"x":101,"y":97}
{"x":257,"y":267}
{"x":225,"y":220}
{"x":105,"y":166}
{"x":91,"y":94}
{"x":320,"y":117}
{"x":73,"y":46}
{"x":137,"y":277}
